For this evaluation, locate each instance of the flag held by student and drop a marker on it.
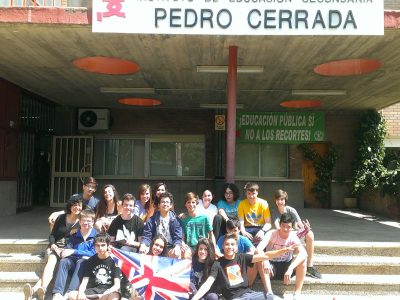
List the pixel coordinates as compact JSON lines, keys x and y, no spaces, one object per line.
{"x":155,"y":277}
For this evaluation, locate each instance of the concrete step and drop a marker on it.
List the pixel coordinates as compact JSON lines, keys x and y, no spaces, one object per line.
{"x":357,"y":248}
{"x":21,"y":262}
{"x":381,"y":265}
{"x":14,"y":281}
{"x":32,"y":246}
{"x":20,"y":296}
{"x":345,"y":284}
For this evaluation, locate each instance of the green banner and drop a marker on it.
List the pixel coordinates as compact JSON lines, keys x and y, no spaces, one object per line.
{"x":280,"y":127}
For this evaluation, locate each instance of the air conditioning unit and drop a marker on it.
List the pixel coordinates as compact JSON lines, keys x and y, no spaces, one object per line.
{"x":93,"y":119}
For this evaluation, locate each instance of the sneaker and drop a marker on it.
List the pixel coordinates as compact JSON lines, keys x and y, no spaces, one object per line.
{"x":58,"y":296}
{"x":312,"y":272}
{"x":28,"y":291}
{"x":269,"y":296}
{"x":297,"y":296}
{"x":41,"y":292}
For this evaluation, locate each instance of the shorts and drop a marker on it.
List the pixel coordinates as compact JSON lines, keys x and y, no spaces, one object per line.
{"x":279,"y":268}
{"x":253,"y":230}
{"x":95,"y":291}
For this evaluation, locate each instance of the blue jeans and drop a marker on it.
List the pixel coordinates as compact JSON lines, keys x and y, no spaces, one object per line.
{"x":70,"y":264}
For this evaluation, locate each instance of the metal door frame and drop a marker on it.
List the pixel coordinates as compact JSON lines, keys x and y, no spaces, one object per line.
{"x":71,"y":163}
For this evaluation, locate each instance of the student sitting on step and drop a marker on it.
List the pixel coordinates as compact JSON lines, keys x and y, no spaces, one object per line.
{"x":232,"y":274}
{"x":100,"y":275}
{"x":65,"y":225}
{"x":79,"y":248}
{"x":89,"y":199}
{"x":303,"y":228}
{"x":285,"y":265}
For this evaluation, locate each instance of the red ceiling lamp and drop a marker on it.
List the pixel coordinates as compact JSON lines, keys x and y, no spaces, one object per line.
{"x":146,"y":102}
{"x":106,"y":65}
{"x":301,"y":103}
{"x":348,"y":67}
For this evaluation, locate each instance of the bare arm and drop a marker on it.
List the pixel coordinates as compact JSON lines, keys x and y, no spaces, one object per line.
{"x":223,"y":214}
{"x":267,"y":224}
{"x":264,"y":242}
{"x":211,"y":237}
{"x":300,"y":257}
{"x":205,"y":287}
{"x":243,"y":230}
{"x":273,"y":253}
{"x":52,"y":218}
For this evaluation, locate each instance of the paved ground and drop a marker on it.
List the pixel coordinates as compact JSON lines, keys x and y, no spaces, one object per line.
{"x":328,"y":225}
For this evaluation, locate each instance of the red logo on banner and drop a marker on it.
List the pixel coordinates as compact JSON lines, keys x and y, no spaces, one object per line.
{"x":114,"y":9}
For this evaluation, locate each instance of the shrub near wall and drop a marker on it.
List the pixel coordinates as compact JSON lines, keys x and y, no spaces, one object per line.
{"x":376,"y":185}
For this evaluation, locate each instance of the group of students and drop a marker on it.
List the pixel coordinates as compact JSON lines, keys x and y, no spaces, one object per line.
{"x":228,"y":243}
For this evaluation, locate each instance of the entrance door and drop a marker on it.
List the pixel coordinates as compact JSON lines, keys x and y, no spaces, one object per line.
{"x":310,"y":200}
{"x":71,"y":163}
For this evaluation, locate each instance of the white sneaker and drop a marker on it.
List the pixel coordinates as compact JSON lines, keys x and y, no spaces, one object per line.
{"x":297,"y":296}
{"x":58,"y":296}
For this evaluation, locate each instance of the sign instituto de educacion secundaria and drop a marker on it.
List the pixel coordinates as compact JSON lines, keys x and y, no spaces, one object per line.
{"x":280,"y":127}
{"x":240,"y":17}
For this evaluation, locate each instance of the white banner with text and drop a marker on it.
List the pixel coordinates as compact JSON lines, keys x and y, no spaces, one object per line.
{"x":240,"y":17}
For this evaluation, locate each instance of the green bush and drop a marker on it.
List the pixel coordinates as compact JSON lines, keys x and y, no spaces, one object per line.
{"x":372,"y":169}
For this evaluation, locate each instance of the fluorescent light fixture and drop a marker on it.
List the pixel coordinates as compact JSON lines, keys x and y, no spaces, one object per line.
{"x":220,"y":105}
{"x":224,"y":69}
{"x":127,"y":90}
{"x":319,"y":92}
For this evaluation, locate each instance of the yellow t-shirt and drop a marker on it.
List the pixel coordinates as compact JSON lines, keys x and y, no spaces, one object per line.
{"x":254,"y":215}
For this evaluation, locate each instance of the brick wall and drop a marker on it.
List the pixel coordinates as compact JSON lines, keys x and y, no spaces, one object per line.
{"x":392,"y":117}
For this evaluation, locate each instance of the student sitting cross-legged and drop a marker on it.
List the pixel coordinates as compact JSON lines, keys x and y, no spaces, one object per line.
{"x":232,"y":274}
{"x":79,"y":248}
{"x":101,"y":277}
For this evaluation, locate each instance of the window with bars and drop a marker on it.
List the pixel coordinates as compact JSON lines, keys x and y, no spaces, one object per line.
{"x":151,"y":156}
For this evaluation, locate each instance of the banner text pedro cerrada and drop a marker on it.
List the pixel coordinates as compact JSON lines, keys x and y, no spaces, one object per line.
{"x":240,"y":17}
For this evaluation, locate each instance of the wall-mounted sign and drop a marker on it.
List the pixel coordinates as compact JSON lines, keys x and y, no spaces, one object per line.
{"x":240,"y":17}
{"x":280,"y":127}
{"x":219,"y":122}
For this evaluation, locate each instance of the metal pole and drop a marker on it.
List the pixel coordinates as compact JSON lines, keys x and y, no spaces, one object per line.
{"x":231,"y":118}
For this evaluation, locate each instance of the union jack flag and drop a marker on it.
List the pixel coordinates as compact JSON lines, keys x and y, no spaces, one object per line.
{"x":155,"y":277}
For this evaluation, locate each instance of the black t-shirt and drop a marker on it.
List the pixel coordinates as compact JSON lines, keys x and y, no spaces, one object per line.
{"x":101,"y":272}
{"x":232,"y":275}
{"x":196,"y":274}
{"x":128,"y":230}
